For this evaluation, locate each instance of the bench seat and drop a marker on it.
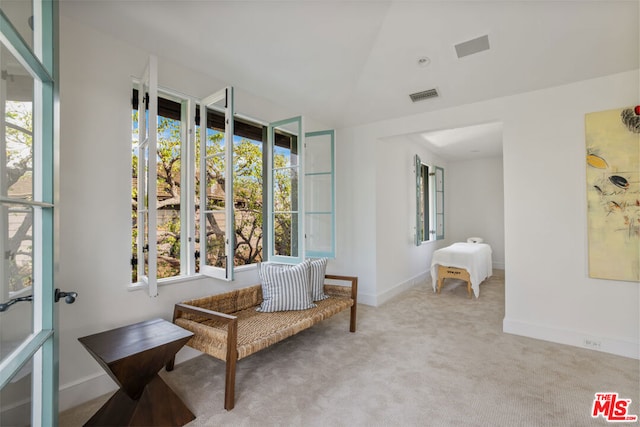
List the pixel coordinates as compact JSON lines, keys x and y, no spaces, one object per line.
{"x":256,"y":330}
{"x":228,"y":327}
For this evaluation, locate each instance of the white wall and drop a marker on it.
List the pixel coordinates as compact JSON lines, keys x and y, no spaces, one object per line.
{"x":548,"y":296}
{"x":548,"y":292}
{"x":399,"y":262}
{"x":94,"y":201}
{"x":475,"y":203}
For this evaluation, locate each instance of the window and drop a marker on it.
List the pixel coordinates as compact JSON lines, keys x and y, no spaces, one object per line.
{"x":285,"y":139}
{"x":302,"y":192}
{"x":439,"y":195}
{"x":429,"y":202}
{"x":170,"y":176}
{"x":245,"y":213}
{"x":422,"y":202}
{"x":210,"y":209}
{"x":319,"y":194}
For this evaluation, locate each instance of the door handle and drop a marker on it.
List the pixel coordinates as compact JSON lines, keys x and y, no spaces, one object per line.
{"x":5,"y":305}
{"x":69,"y":297}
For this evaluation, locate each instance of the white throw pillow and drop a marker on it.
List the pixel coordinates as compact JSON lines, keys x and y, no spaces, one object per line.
{"x":285,"y":287}
{"x":318,"y":270}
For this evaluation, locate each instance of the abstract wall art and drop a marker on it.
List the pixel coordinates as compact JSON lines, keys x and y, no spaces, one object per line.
{"x":613,"y":193}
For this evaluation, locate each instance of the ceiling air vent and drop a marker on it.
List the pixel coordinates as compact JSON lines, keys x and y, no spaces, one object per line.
{"x":425,"y":94}
{"x":472,"y":46}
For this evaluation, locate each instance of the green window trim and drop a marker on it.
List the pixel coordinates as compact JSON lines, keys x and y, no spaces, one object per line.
{"x":317,"y":213}
{"x":293,"y":232}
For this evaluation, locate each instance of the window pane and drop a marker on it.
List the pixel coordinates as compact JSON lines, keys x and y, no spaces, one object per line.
{"x":285,"y":190}
{"x":422,"y":213}
{"x":197,"y":204}
{"x":285,"y":234}
{"x":16,"y":397}
{"x":215,"y":141}
{"x":216,"y":222}
{"x":318,"y":194}
{"x":144,"y":207}
{"x":319,"y":233}
{"x":215,"y":214}
{"x":20,"y":14}
{"x":319,"y":202}
{"x":18,"y":249}
{"x":16,"y":245}
{"x":318,"y":154}
{"x":284,"y":187}
{"x":18,"y":130}
{"x":145,"y":242}
{"x":286,"y":149}
{"x":215,"y":182}
{"x":134,"y":196}
{"x":424,"y":202}
{"x":247,"y":196}
{"x":169,"y":150}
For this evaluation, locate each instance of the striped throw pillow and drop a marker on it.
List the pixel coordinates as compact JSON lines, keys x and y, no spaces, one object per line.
{"x":318,"y":270}
{"x":285,"y":287}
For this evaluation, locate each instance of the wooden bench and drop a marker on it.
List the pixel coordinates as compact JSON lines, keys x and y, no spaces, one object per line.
{"x":228,"y":327}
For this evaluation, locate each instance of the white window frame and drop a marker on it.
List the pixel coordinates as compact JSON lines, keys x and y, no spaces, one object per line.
{"x":187,"y":179}
{"x":188,"y":196}
{"x":147,"y":194}
{"x":226,"y":273}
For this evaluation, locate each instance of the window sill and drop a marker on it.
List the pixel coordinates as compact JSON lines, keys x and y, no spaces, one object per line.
{"x":182,"y":279}
{"x":165,"y":282}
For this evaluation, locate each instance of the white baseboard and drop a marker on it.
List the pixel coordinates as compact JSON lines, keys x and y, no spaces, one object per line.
{"x":572,"y":338}
{"x":99,"y":384}
{"x":367,"y":299}
{"x":498,"y":265}
{"x":84,"y":390}
{"x":401,"y":287}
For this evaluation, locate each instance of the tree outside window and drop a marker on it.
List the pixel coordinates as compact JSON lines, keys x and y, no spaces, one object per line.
{"x":248,"y":197}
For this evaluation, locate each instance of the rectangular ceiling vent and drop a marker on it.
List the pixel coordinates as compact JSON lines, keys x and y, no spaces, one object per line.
{"x":425,"y":94}
{"x":471,"y":47}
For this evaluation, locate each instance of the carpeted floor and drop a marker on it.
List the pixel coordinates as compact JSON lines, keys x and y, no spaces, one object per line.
{"x":421,"y":359}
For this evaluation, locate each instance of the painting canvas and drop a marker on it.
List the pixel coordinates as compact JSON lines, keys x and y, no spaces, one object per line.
{"x":613,"y":193}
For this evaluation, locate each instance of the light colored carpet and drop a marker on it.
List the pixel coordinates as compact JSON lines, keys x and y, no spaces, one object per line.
{"x":421,"y":359}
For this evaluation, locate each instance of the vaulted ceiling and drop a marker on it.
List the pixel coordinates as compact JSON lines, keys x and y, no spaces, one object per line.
{"x":354,"y":62}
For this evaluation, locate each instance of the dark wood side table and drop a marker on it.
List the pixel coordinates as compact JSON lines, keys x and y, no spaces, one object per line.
{"x":133,"y":355}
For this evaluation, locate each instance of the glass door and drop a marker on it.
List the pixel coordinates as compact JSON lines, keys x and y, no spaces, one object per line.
{"x":28,"y":345}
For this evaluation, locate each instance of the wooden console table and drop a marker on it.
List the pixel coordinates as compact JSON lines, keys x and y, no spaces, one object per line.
{"x":133,"y":355}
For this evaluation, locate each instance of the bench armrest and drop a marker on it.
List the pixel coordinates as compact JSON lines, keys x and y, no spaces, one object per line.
{"x":352,"y":279}
{"x":232,"y":343}
{"x":339,"y":291}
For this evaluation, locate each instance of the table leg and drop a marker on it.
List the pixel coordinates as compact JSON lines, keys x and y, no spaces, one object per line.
{"x":158,"y":405}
